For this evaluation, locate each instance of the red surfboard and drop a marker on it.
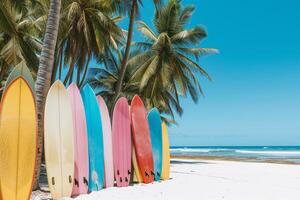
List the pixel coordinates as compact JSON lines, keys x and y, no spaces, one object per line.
{"x":141,"y":139}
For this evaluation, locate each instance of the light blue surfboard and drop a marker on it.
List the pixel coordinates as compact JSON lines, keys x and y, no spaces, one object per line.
{"x":95,"y":139}
{"x":154,"y":121}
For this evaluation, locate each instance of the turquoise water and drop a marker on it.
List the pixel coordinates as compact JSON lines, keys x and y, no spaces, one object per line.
{"x":290,"y":153}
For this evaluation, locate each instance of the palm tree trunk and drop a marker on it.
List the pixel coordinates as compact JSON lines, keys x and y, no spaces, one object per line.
{"x":3,"y":71}
{"x":71,"y":77}
{"x":70,"y":72}
{"x":84,"y":73}
{"x":78,"y":76}
{"x":127,"y":49}
{"x":54,"y":71}
{"x":60,"y":66}
{"x":43,"y":81}
{"x":56,"y":67}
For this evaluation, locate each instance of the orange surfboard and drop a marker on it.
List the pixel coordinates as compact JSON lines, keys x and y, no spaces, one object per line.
{"x":18,"y":141}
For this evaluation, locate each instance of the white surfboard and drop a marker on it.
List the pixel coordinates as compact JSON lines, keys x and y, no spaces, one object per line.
{"x":59,"y":141}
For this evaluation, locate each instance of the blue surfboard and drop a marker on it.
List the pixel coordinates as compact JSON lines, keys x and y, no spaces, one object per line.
{"x":95,"y":139}
{"x":154,"y":121}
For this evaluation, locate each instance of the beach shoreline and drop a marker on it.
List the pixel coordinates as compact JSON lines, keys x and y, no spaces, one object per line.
{"x":209,"y":178}
{"x":240,"y":159}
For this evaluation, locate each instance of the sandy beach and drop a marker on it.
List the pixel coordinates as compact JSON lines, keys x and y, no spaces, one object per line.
{"x":211,"y":180}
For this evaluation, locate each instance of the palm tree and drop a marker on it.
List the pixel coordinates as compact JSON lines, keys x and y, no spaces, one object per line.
{"x":165,"y":65}
{"x":159,"y":69}
{"x":44,"y":75}
{"x":133,"y":7}
{"x":19,"y":40}
{"x":104,"y":79}
{"x":90,"y":30}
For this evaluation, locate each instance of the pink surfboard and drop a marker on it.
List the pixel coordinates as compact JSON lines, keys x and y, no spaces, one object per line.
{"x":107,"y":143}
{"x":122,"y":142}
{"x":81,"y":170}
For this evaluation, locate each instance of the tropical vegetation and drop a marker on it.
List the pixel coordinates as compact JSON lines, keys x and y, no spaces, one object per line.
{"x":59,"y":39}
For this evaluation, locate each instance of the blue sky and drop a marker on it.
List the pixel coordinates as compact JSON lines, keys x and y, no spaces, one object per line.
{"x":254,"y":98}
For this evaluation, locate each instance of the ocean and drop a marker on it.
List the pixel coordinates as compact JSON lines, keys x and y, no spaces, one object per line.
{"x":286,"y":153}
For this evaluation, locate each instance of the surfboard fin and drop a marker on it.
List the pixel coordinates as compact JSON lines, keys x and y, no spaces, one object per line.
{"x":121,"y":179}
{"x":70,"y":179}
{"x":76,"y":182}
{"x":53,"y":181}
{"x":152,"y":173}
{"x":118,"y":172}
{"x":85,"y":181}
{"x":126,"y":180}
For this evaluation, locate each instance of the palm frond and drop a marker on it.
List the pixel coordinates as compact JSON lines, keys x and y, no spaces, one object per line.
{"x":146,"y":31}
{"x":190,"y":36}
{"x":197,"y":52}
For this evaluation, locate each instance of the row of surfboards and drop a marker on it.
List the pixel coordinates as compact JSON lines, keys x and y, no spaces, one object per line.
{"x":85,"y":150}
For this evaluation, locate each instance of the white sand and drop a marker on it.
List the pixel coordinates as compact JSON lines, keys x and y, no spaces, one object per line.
{"x":214,"y":180}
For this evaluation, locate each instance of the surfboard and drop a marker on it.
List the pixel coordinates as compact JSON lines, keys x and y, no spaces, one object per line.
{"x":107,"y":143}
{"x":18,"y":141}
{"x":95,"y":139}
{"x":165,"y":174}
{"x":154,"y":122}
{"x":59,"y":141}
{"x":81,"y":154}
{"x":141,"y":139}
{"x":137,"y":177}
{"x":121,"y":142}
{"x":21,"y":70}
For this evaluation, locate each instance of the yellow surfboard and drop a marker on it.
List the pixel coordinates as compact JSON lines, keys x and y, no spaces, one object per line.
{"x":137,"y":177}
{"x":165,"y":175}
{"x":18,"y":141}
{"x":58,"y":139}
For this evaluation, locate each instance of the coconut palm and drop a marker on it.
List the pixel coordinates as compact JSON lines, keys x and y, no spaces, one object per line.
{"x":90,"y":30}
{"x":44,"y":74}
{"x":104,"y":81}
{"x":19,"y":40}
{"x":159,"y":69}
{"x":132,"y":6}
{"x":165,"y":63}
